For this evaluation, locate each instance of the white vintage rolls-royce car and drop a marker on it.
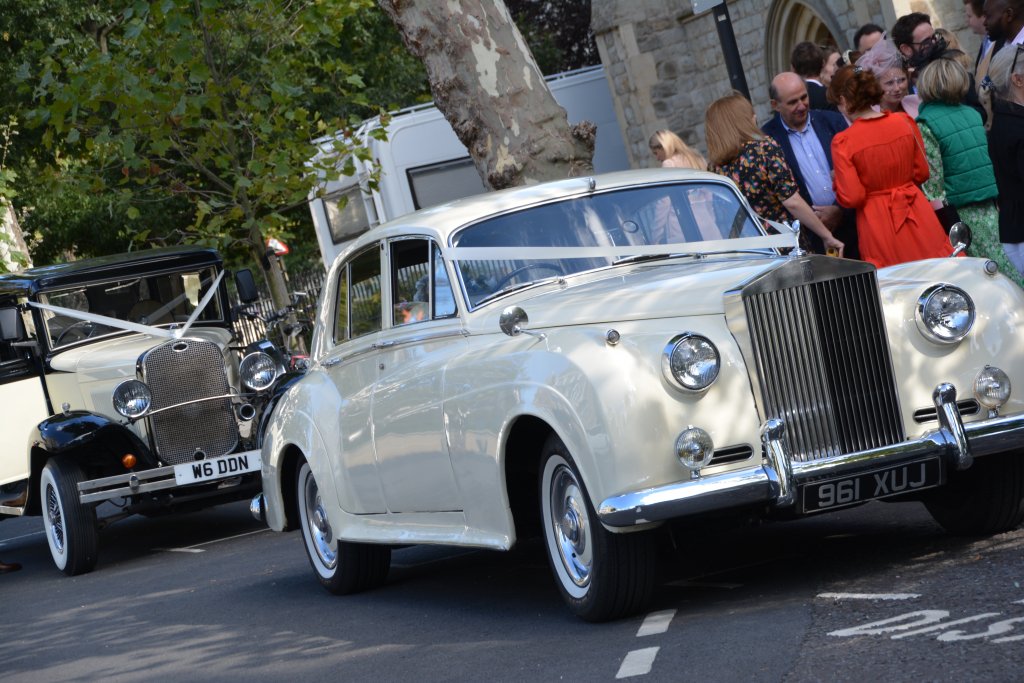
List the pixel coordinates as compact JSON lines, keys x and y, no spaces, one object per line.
{"x":590,"y":359}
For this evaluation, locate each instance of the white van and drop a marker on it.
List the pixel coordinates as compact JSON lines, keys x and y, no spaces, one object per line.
{"x":424,"y":164}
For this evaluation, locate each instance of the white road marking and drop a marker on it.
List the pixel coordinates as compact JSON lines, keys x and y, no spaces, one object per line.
{"x":945,"y":625}
{"x":656,"y":622}
{"x":197,"y":547}
{"x":869,"y":596}
{"x":704,"y":584}
{"x":637,"y":662}
{"x":34,"y":533}
{"x":1018,"y":602}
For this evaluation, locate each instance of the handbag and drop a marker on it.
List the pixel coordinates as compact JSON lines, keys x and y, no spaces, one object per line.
{"x":948,"y":215}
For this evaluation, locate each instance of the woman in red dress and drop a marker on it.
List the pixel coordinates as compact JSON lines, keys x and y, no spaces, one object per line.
{"x":879,"y":162}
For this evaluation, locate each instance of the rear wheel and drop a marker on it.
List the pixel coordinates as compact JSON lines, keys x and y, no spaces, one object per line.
{"x":70,"y":526}
{"x":986,"y":499}
{"x":600,"y":575}
{"x":340,"y":566}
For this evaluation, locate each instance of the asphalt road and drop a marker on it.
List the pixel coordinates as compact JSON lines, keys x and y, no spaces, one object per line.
{"x":874,"y":593}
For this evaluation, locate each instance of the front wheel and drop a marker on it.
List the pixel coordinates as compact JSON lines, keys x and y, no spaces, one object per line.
{"x":986,"y":499}
{"x":70,"y":526}
{"x":340,"y":566}
{"x":600,"y":575}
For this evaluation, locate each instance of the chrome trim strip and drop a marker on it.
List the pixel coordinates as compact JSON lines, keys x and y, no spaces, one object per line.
{"x":768,"y":482}
{"x":14,"y":512}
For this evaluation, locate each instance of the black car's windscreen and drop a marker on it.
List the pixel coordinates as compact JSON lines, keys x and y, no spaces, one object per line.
{"x":683,"y":213}
{"x":161,"y":299}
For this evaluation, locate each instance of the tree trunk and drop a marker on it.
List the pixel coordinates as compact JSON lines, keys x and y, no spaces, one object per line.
{"x":9,"y":225}
{"x":486,"y":83}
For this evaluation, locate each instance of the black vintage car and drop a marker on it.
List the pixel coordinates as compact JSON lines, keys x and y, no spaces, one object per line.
{"x":123,"y":392}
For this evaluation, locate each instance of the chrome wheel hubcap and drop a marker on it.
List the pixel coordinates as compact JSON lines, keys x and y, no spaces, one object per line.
{"x":571,"y":526}
{"x":55,"y":519}
{"x":320,"y":533}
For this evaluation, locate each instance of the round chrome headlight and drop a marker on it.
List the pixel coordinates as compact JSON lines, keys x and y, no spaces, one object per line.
{"x":132,"y":398}
{"x":992,"y":387}
{"x":258,"y":371}
{"x":694,"y":448}
{"x":691,"y":362}
{"x":945,"y":314}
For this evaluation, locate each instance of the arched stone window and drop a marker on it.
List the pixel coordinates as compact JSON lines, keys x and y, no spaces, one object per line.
{"x":794,"y":21}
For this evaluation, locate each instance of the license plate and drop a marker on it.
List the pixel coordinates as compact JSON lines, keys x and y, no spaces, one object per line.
{"x":880,"y":483}
{"x":217,"y":468}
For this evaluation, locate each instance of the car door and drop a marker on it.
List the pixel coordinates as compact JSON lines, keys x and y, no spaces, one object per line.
{"x":351,"y":366}
{"x":423,"y":334}
{"x":24,"y":407}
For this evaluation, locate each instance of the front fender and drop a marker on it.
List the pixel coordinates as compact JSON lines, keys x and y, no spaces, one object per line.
{"x":280,"y":388}
{"x":94,"y":440}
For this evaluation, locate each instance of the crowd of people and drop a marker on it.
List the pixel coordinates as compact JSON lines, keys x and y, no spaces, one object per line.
{"x":878,"y":150}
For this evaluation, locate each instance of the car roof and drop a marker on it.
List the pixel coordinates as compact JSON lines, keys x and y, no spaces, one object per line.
{"x":131,"y":264}
{"x":442,"y":220}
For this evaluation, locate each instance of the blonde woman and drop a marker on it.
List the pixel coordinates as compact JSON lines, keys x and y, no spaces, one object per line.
{"x":669,"y":149}
{"x":738,"y":149}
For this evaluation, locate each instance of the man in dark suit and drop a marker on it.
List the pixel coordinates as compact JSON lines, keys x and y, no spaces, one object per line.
{"x":808,"y":60}
{"x":805,"y":136}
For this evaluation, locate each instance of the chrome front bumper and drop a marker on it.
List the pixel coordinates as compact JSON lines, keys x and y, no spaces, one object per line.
{"x":776,"y":480}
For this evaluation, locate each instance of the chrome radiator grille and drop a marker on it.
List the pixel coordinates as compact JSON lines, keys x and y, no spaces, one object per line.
{"x":188,"y":370}
{"x":822,"y":357}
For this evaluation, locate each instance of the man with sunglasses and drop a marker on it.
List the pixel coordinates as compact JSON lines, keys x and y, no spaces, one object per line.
{"x":915,"y":38}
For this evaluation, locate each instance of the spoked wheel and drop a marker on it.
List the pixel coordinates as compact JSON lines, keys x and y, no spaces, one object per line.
{"x":986,"y":499}
{"x":600,"y":575}
{"x":70,"y":526}
{"x":340,"y":566}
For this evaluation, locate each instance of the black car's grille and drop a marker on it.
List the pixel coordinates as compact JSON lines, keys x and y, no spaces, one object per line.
{"x":822,"y":357}
{"x":182,"y":371}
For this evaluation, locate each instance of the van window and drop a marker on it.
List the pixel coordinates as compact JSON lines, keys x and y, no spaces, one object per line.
{"x":439,"y":183}
{"x":350,"y":220}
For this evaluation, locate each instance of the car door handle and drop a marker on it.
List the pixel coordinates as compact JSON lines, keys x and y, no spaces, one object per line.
{"x":384,"y":345}
{"x":330,"y":362}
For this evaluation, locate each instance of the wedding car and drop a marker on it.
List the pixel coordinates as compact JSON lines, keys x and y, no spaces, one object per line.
{"x":591,"y":360}
{"x":121,"y":385}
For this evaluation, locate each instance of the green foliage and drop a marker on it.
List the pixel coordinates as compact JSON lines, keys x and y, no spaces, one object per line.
{"x":558,"y":33}
{"x":205,"y":105}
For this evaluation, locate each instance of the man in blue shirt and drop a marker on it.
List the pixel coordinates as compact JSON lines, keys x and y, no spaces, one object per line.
{"x":805,"y":136}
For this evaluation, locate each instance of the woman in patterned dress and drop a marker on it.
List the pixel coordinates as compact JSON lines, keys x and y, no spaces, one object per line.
{"x":738,"y":149}
{"x":957,"y":152}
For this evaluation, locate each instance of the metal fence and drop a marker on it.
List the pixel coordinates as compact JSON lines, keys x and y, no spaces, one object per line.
{"x":310,"y":282}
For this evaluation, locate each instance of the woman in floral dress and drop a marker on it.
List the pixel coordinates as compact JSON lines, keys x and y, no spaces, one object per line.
{"x":957,"y":152}
{"x":738,"y":149}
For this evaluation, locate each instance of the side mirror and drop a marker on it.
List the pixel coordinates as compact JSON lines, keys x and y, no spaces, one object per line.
{"x":511,"y":321}
{"x":11,"y":325}
{"x":246,"y":286}
{"x":959,"y":237}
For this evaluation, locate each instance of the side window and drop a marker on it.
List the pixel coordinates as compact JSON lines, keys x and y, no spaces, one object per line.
{"x":364,"y":292}
{"x":15,"y":363}
{"x":410,"y":281}
{"x":420,"y":287}
{"x":341,"y":309}
{"x":444,"y":298}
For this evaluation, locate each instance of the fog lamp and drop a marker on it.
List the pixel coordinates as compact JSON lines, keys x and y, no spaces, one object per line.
{"x":694,"y":448}
{"x":132,"y":398}
{"x":992,"y":387}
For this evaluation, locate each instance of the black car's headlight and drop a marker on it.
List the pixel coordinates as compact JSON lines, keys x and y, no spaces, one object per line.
{"x":258,"y":371}
{"x":691,"y":361}
{"x":132,"y":398}
{"x":945,"y":314}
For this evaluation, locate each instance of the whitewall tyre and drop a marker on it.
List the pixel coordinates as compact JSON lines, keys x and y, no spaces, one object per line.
{"x":601,"y":575}
{"x":340,"y":566}
{"x":70,"y":526}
